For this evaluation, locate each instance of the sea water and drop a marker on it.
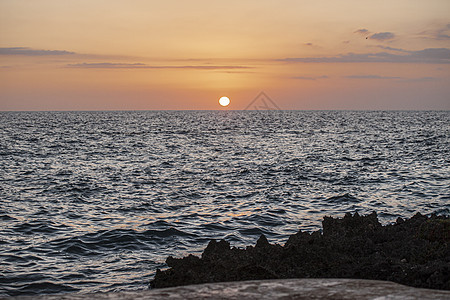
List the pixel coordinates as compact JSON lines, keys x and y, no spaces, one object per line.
{"x":95,"y":201}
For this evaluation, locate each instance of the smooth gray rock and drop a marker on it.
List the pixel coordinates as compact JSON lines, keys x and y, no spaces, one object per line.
{"x":273,"y":289}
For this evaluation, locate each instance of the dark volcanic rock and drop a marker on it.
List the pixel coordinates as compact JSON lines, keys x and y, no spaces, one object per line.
{"x":413,"y":252}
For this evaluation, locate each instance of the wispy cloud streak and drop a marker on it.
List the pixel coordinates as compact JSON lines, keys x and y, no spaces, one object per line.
{"x":362,"y":31}
{"x":309,"y":78}
{"x":392,"y":49}
{"x":430,"y":56}
{"x":397,"y":78}
{"x":440,"y":34}
{"x":371,"y":77}
{"x":382,"y":36}
{"x":25,"y":51}
{"x":145,"y":66}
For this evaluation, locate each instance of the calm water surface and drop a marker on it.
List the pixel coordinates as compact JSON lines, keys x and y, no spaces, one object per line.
{"x":95,"y":201}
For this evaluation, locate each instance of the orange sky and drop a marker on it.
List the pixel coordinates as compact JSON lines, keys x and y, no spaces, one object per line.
{"x":127,"y":55}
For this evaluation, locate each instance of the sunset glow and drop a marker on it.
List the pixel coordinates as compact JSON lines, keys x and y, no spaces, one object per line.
{"x":135,"y":55}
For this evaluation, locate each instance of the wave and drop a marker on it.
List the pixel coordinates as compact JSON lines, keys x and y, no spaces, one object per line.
{"x":37,"y":226}
{"x":97,"y":243}
{"x":343,"y":198}
{"x":92,"y":194}
{"x":42,"y":287}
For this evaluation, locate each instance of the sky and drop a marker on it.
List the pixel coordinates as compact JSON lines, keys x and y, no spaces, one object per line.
{"x":185,"y":55}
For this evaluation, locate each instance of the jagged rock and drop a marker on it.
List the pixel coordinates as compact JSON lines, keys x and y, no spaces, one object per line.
{"x":262,"y":242}
{"x":215,"y":249}
{"x":414,"y":252}
{"x":351,"y":225}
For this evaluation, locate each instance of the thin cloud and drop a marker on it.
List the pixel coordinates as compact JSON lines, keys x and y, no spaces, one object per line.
{"x":379,"y":36}
{"x":433,"y":53}
{"x":429,"y":56}
{"x":440,"y":34}
{"x":362,"y":31}
{"x":25,"y":51}
{"x":371,"y":77}
{"x":235,"y":72}
{"x":382,"y":36}
{"x":108,"y":66}
{"x":422,"y":79}
{"x":144,"y":66}
{"x":309,"y":78}
{"x":443,"y":33}
{"x":392,"y":49}
{"x":398,"y":79}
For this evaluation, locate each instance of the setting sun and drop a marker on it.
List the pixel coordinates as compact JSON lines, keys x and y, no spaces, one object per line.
{"x":224,"y":101}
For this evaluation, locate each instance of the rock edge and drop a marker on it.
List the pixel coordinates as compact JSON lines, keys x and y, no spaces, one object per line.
{"x":414,"y":252}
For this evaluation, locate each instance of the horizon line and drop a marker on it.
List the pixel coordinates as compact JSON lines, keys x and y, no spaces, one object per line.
{"x":224,"y":110}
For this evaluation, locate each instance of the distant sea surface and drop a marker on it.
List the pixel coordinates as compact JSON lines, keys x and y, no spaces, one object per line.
{"x":96,"y":201}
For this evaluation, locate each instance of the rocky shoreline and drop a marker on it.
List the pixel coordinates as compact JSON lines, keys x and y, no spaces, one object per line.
{"x":414,"y":252}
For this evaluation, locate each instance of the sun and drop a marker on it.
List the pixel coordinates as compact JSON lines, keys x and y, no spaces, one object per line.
{"x":224,"y":101}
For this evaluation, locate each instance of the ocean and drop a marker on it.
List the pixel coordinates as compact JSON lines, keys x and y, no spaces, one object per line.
{"x":96,"y":201}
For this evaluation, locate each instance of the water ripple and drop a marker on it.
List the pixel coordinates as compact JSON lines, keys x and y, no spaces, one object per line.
{"x":95,"y":201}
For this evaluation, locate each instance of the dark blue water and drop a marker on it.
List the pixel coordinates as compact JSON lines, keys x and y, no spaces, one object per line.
{"x":95,"y":201}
